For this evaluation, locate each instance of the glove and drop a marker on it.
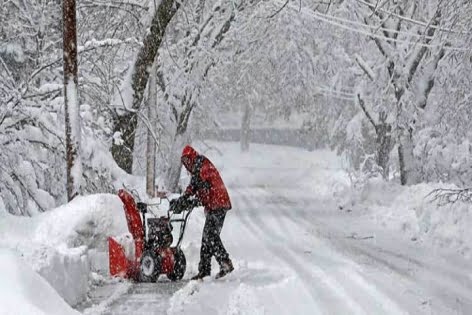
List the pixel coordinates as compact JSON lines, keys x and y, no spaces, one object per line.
{"x":193,"y":203}
{"x":175,"y":206}
{"x":183,"y":203}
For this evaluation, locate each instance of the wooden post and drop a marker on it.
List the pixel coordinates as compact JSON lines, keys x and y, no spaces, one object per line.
{"x":71,"y":102}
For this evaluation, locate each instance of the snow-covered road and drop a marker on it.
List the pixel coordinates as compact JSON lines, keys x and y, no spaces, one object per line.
{"x":297,"y":252}
{"x":347,"y":266}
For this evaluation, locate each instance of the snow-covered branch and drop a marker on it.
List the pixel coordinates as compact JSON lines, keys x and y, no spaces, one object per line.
{"x":445,"y":196}
{"x":366,"y":112}
{"x":365,"y":67}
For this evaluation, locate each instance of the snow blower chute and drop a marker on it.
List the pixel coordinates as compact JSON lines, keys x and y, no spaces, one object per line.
{"x":153,"y":251}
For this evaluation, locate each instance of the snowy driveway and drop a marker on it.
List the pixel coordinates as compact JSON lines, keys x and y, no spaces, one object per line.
{"x":297,"y":253}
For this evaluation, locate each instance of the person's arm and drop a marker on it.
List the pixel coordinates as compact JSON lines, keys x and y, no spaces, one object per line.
{"x":203,"y":182}
{"x":200,"y":180}
{"x":194,"y":184}
{"x":189,"y":191}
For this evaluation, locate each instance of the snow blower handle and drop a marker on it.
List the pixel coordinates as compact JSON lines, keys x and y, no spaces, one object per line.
{"x":182,"y":204}
{"x":176,"y":205}
{"x":179,"y":205}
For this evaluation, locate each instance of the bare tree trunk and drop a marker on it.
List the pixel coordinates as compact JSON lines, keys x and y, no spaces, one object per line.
{"x":180,"y":140}
{"x":384,"y":146}
{"x":151,"y":143}
{"x":175,"y":166}
{"x":123,"y":152}
{"x":246,"y":128}
{"x":126,"y":122}
{"x":71,"y":101}
{"x":408,"y":166}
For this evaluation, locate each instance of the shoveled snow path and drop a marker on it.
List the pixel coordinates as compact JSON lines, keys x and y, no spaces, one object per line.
{"x":297,"y":254}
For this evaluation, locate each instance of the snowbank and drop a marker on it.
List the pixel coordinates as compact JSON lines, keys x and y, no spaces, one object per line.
{"x":23,"y":291}
{"x":85,"y":221}
{"x":66,"y":270}
{"x":63,"y":245}
{"x":409,"y":210}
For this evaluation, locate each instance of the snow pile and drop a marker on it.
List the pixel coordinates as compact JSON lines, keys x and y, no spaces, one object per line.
{"x":85,"y":221}
{"x":66,"y":270}
{"x":410,"y":210}
{"x":23,"y":291}
{"x":64,"y":244}
{"x":447,"y":226}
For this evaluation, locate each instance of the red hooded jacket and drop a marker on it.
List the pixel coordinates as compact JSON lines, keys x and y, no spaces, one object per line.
{"x":206,"y":183}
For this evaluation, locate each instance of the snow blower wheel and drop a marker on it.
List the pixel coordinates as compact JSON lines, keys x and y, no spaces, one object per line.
{"x":150,"y":267}
{"x":180,"y":264}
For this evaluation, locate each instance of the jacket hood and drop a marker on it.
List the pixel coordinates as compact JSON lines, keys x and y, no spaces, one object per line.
{"x":188,"y":157}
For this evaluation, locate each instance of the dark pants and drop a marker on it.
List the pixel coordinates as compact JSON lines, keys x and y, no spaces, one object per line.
{"x":211,"y":241}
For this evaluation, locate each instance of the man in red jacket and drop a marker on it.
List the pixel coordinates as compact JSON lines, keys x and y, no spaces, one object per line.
{"x":208,"y":187}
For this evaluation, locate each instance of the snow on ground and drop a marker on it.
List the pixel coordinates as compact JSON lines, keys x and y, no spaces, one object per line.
{"x":303,"y":241}
{"x":412,"y":212}
{"x":23,"y":291}
{"x":321,"y":175}
{"x":61,"y":245}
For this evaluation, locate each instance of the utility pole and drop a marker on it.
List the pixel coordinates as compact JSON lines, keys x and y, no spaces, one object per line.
{"x":71,"y":99}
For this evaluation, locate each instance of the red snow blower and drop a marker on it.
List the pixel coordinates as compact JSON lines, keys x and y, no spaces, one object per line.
{"x":153,"y":251}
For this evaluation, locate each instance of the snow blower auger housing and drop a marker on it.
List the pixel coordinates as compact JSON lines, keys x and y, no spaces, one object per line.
{"x":153,"y":251}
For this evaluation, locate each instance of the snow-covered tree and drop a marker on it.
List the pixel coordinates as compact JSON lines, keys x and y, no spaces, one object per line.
{"x":393,"y":54}
{"x":33,"y":158}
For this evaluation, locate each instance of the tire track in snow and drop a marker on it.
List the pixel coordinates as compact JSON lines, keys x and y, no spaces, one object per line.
{"x":335,"y":300}
{"x":426,"y":279}
{"x":314,"y":275}
{"x":136,"y":298}
{"x":378,"y":301}
{"x":120,"y":290}
{"x":146,"y":298}
{"x":435,"y":278}
{"x":243,"y":205}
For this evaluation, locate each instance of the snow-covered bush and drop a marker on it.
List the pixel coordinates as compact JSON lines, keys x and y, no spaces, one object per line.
{"x":412,"y":211}
{"x":444,"y":158}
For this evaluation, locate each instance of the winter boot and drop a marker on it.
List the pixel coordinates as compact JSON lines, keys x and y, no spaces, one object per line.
{"x":225,"y":268}
{"x":199,"y":276}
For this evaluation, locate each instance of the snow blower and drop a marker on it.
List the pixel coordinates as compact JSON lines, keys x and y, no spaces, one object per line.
{"x":153,"y":251}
